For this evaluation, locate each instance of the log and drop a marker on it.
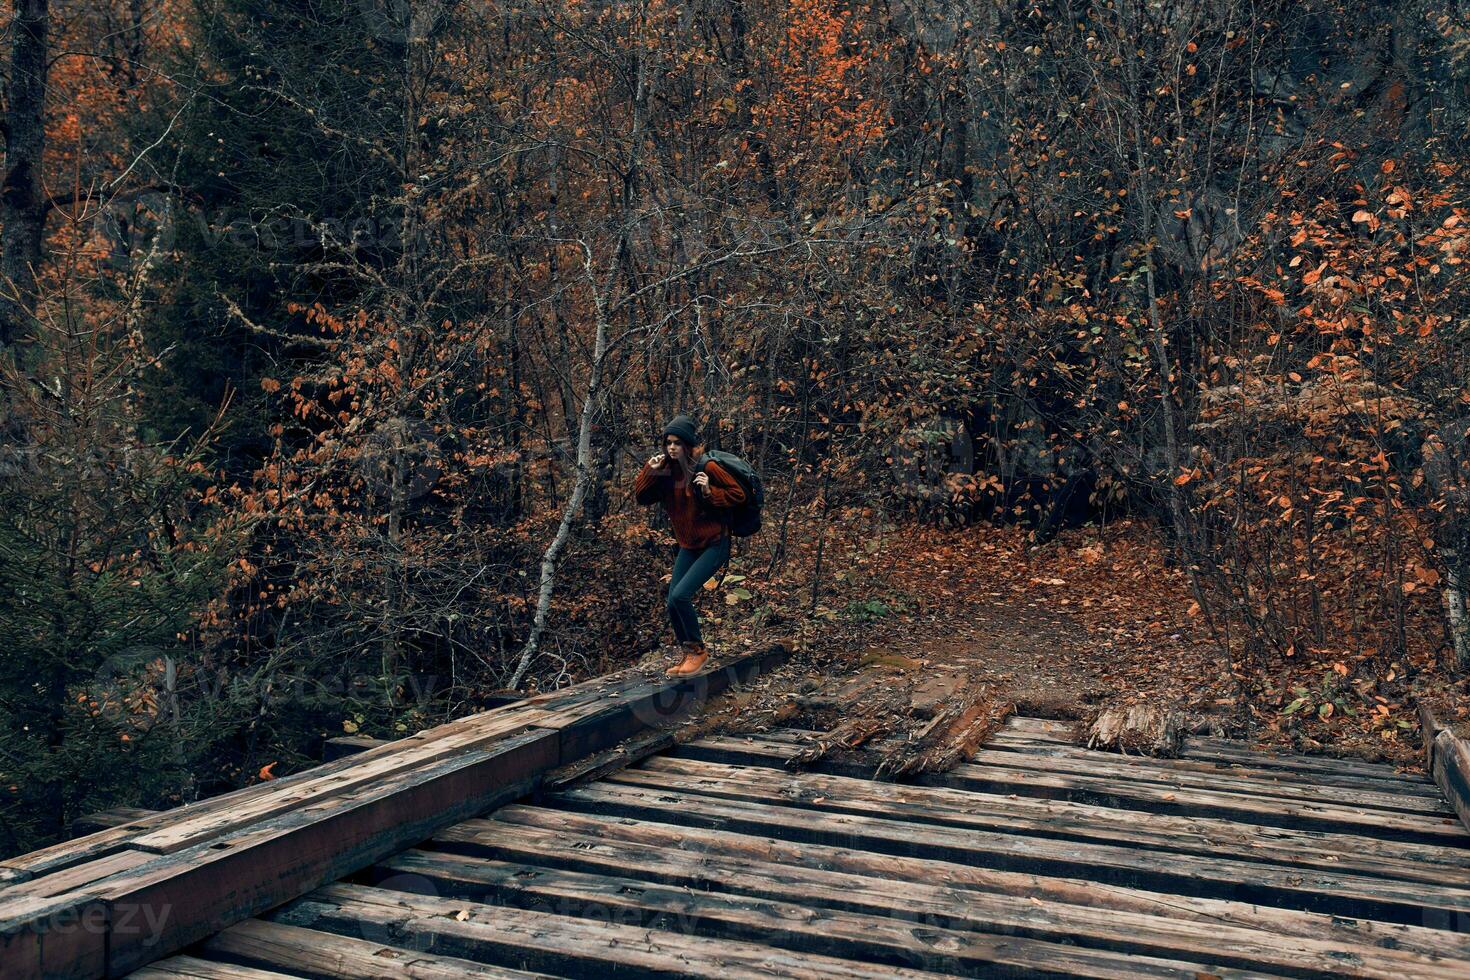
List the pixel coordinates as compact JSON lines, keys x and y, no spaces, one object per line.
{"x":850,"y":734}
{"x":1137,"y":729}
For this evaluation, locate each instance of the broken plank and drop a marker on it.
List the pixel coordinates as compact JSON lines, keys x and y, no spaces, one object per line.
{"x":610,"y":760}
{"x":616,"y":712}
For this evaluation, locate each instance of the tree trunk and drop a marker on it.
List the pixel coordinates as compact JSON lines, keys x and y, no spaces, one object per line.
{"x":1454,"y":608}
{"x":22,"y":201}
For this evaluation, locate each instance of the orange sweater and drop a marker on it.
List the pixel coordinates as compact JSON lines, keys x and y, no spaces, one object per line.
{"x":692,"y":528}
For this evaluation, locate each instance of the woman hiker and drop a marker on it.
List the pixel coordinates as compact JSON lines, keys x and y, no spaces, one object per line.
{"x":704,"y":541}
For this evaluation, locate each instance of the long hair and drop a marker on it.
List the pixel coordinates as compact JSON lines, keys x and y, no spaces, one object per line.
{"x":687,"y":459}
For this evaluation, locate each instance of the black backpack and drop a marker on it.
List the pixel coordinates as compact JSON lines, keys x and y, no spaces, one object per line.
{"x":744,"y":519}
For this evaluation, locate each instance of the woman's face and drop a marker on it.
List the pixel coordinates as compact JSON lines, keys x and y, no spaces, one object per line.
{"x":673,"y":447}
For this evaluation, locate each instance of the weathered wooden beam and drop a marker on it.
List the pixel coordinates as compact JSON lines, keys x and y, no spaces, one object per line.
{"x":44,"y":937}
{"x":1146,"y":729}
{"x":201,"y":889}
{"x":1448,"y":759}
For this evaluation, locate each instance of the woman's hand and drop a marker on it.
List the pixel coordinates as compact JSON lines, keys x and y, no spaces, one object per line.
{"x":701,"y":480}
{"x":657,"y":461}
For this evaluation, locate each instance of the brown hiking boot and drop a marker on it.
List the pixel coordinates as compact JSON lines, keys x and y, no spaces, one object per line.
{"x":695,"y":655}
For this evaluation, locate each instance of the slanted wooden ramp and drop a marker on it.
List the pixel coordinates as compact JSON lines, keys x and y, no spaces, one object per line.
{"x":716,"y":858}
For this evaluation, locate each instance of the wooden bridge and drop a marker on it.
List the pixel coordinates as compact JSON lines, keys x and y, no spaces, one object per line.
{"x":516,"y":843}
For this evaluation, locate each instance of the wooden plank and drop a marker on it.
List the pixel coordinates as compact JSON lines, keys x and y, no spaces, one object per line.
{"x":196,"y":968}
{"x":1403,"y":785}
{"x":104,"y":819}
{"x":75,"y":878}
{"x":886,"y":938}
{"x":1199,"y":746}
{"x":1062,"y":820}
{"x":1124,"y":794}
{"x":202,"y":889}
{"x":1299,"y":888}
{"x":1266,"y":811}
{"x":345,"y":745}
{"x":589,"y":836}
{"x":1141,"y":770}
{"x":313,"y":953}
{"x":523,"y":855}
{"x":596,"y":766}
{"x":535,"y":940}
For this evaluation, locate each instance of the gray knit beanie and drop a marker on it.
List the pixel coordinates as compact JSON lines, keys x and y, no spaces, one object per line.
{"x":685,"y":428}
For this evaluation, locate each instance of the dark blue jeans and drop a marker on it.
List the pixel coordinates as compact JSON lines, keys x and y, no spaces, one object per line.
{"x":692,"y":568}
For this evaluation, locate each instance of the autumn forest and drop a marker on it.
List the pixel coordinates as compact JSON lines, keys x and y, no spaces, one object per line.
{"x":333,"y":333}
